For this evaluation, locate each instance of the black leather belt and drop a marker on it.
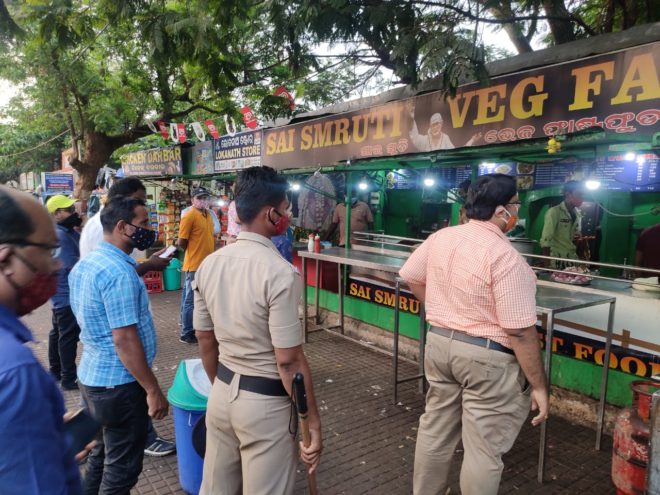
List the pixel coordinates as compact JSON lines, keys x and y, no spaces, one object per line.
{"x":471,"y":339}
{"x":256,"y":384}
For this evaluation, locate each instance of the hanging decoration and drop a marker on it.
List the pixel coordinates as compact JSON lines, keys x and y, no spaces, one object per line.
{"x":231,"y":130}
{"x":248,"y":117}
{"x":181,"y":132}
{"x":151,"y":126}
{"x":174,"y":132}
{"x":212,"y":128}
{"x":284,"y":93}
{"x":163,"y":129}
{"x":199,"y":132}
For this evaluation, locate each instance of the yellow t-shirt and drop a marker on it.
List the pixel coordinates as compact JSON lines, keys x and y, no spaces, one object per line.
{"x":197,"y":228}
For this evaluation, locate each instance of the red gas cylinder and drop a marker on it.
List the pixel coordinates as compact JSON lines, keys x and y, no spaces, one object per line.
{"x":630,"y":454}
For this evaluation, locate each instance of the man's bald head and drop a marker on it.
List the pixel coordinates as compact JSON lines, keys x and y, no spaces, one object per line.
{"x":21,"y":216}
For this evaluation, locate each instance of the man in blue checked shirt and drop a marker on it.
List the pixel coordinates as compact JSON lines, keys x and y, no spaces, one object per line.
{"x":112,"y":308}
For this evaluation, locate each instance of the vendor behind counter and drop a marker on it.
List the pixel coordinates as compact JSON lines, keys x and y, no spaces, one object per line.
{"x":562,"y":224}
{"x":361,"y":220}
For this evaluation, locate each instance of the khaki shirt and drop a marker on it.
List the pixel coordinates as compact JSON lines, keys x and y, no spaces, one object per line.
{"x":559,"y":229}
{"x":248,"y":294}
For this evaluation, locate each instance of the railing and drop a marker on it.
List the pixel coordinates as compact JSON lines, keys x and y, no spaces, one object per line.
{"x":573,"y":262}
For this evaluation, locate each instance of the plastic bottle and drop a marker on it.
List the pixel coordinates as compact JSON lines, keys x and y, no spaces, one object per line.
{"x":317,"y":244}
{"x":310,"y":243}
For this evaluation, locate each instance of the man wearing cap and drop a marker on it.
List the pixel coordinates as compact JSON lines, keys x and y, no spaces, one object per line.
{"x":63,"y":337}
{"x":434,"y":139}
{"x":562,"y":224}
{"x":197,"y":240}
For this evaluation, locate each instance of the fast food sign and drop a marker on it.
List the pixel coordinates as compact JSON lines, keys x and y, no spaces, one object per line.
{"x":619,"y":92}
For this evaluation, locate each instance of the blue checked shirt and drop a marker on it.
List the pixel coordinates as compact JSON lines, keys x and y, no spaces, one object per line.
{"x":107,"y":293}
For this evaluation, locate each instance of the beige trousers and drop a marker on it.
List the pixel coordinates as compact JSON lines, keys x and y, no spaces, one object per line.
{"x":475,"y":394}
{"x":248,"y":445}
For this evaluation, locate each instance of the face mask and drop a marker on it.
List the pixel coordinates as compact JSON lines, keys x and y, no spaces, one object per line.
{"x":71,"y":221}
{"x":282,"y":223}
{"x":35,"y":294}
{"x":200,"y":204}
{"x":143,"y":238}
{"x":511,"y":222}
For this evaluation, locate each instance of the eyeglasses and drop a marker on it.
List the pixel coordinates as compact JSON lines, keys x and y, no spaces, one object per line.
{"x":517,"y":203}
{"x":55,"y":249}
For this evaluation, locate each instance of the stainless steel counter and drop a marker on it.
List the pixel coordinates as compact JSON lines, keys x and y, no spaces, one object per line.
{"x":552,"y":301}
{"x":549,"y":300}
{"x":358,"y":258}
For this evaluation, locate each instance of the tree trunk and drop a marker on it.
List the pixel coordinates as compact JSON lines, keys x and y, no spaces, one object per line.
{"x":97,"y":149}
{"x":562,"y":28}
{"x":514,"y":30}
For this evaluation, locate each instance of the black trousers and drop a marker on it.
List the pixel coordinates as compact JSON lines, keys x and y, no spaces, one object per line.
{"x":63,"y":345}
{"x":114,"y":465}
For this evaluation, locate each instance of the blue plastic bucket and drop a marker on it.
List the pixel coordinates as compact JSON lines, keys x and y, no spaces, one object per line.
{"x":191,"y":465}
{"x":188,"y":395}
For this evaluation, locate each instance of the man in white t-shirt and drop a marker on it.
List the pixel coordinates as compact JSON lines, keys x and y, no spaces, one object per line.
{"x":91,"y":236}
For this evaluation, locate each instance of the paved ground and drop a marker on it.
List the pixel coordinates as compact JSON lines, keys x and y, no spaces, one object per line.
{"x":369,"y":442}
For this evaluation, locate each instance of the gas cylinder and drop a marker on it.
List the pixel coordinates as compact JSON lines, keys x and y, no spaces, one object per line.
{"x":630,"y":454}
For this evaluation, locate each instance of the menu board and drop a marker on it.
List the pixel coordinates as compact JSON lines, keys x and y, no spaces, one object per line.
{"x":625,"y":173}
{"x":445,"y":177}
{"x":633,"y":173}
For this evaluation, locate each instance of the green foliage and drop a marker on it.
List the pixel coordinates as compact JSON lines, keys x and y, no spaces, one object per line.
{"x":14,"y":139}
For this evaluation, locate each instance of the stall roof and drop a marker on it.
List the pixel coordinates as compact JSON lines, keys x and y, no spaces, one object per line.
{"x":604,"y":43}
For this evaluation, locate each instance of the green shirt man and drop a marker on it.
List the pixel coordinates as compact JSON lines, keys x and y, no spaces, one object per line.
{"x":562,"y":224}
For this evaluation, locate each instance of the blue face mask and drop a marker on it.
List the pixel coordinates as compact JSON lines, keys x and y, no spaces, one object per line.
{"x":142,"y":238}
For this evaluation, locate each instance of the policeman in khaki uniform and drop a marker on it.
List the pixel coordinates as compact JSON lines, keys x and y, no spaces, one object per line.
{"x":562,"y":224}
{"x":250,"y":341}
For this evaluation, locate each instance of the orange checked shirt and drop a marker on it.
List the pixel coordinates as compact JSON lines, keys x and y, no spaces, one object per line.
{"x":476,"y":282}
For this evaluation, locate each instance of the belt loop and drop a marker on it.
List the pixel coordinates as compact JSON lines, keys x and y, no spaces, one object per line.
{"x":234,"y":387}
{"x":451,"y":335}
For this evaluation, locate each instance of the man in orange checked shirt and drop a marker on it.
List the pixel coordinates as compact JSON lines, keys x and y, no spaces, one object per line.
{"x":483,"y":361}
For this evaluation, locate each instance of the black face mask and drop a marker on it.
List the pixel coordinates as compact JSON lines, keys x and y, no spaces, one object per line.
{"x":71,"y":221}
{"x":143,"y":238}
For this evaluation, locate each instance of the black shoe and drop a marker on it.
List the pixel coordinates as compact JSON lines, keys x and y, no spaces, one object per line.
{"x":188,"y":339}
{"x":160,"y":448}
{"x":70,"y":385}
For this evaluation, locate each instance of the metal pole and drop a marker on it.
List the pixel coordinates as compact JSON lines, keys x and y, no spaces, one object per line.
{"x":422,"y":346}
{"x":548,"y":371}
{"x":304,"y":285}
{"x":340,"y":297}
{"x":347,"y":203}
{"x":653,"y":487}
{"x":395,"y":350}
{"x":317,"y":283}
{"x":605,"y":374}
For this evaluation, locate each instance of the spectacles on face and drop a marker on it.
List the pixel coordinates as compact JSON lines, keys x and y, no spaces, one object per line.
{"x":54,"y":249}
{"x":516,"y":203}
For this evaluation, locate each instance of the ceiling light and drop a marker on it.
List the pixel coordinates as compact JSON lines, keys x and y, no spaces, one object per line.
{"x":592,"y":185}
{"x":429,"y":182}
{"x":295,"y":186}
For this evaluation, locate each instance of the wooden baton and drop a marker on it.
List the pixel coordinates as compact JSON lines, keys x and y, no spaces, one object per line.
{"x":300,"y":397}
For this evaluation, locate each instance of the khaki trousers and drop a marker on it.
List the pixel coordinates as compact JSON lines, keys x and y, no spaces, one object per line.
{"x":476,"y":394}
{"x":248,"y":445}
